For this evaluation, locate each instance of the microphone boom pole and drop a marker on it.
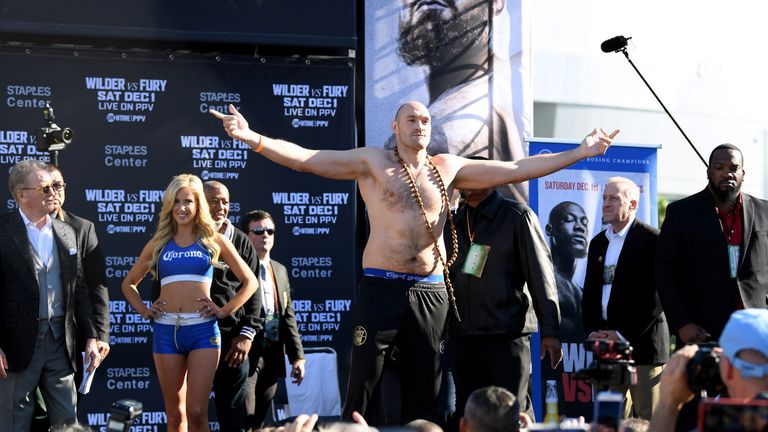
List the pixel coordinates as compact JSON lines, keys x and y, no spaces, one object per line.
{"x":619,"y":43}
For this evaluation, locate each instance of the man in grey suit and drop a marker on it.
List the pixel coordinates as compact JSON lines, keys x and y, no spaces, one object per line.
{"x":43,"y":301}
{"x":280,"y":335}
{"x":95,"y":276}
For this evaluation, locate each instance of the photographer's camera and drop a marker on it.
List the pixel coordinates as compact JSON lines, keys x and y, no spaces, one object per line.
{"x":121,"y":415}
{"x":612,"y":364}
{"x":703,"y":371}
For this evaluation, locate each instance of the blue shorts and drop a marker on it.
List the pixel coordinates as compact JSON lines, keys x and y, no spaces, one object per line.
{"x":181,"y":333}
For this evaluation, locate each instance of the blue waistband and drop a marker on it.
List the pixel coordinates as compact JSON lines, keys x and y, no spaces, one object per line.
{"x":389,"y":274}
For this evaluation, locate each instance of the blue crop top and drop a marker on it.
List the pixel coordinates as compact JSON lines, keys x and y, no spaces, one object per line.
{"x":191,"y":263}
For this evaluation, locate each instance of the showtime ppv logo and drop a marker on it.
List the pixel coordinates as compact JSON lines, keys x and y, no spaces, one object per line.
{"x":297,"y":123}
{"x":126,"y":118}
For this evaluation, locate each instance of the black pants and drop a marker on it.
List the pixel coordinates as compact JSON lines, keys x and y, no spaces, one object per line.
{"x":395,"y":367}
{"x":267,"y":365}
{"x":229,"y":387}
{"x":501,"y":360}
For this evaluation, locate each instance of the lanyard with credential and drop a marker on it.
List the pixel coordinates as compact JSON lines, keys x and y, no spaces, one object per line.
{"x":733,"y":250}
{"x":477,"y":255}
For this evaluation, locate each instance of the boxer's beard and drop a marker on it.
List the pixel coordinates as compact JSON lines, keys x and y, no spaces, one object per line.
{"x":432,"y":39}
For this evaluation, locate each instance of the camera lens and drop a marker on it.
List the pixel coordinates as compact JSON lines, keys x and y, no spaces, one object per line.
{"x":67,"y":135}
{"x":703,"y":371}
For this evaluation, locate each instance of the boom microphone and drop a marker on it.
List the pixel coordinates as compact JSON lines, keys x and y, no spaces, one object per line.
{"x":614,"y":44}
{"x":619,"y":44}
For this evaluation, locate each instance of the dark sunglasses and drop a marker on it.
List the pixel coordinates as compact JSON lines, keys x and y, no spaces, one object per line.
{"x":47,"y":189}
{"x":261,"y":231}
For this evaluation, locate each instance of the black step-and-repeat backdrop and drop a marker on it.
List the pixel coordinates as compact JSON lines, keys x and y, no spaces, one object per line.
{"x":306,"y":23}
{"x":139,"y":119}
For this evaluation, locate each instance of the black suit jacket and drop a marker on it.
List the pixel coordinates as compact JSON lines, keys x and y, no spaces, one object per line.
{"x":94,"y":271}
{"x":20,"y":294}
{"x":517,"y":293}
{"x":692,"y":271}
{"x":634,"y":308}
{"x":289,"y":331}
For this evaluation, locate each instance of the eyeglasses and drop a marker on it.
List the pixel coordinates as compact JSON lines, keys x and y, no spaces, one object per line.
{"x":47,"y":189}
{"x":57,"y":186}
{"x":261,"y":231}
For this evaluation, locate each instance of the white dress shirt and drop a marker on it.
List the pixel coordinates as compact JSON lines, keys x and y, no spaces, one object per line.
{"x":41,"y":239}
{"x":615,"y":244}
{"x":267,"y":285}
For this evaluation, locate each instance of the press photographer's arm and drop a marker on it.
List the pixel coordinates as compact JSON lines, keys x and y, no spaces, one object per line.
{"x":674,"y":391}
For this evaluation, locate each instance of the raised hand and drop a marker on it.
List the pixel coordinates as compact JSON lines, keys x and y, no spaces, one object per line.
{"x":236,"y":126}
{"x":597,"y":142}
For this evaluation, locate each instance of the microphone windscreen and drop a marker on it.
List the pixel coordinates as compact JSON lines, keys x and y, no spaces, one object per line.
{"x":614,"y":44}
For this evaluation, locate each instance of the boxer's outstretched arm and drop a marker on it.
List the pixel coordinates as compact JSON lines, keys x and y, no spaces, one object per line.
{"x":335,"y":164}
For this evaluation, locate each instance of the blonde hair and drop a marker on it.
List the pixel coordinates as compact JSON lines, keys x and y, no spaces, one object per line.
{"x":204,"y":226}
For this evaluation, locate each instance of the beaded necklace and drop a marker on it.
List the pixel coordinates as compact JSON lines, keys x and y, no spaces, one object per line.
{"x":454,"y":238}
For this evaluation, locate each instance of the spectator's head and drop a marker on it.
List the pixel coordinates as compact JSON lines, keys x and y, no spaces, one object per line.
{"x":31,"y":186}
{"x":568,"y":229}
{"x":71,"y":428}
{"x":744,"y":365}
{"x":217,"y":196}
{"x":58,"y":186}
{"x":260,"y":228}
{"x":439,"y":32}
{"x":726,"y":172}
{"x":620,"y":199}
{"x":420,"y":425}
{"x":634,"y":425}
{"x":343,"y":427}
{"x":474,"y":197}
{"x":491,"y":409}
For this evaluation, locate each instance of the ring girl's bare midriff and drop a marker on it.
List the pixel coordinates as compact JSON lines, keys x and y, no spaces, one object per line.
{"x":182,"y":297}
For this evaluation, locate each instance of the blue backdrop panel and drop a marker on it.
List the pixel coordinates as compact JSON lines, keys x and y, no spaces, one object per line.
{"x":582,"y":184}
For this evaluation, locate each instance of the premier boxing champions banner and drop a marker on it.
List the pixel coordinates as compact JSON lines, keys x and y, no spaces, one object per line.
{"x":468,"y":62}
{"x":568,"y":204}
{"x":140,"y":118}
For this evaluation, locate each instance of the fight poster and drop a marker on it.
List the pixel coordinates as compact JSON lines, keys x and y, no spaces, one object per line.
{"x":568,"y":204}
{"x":468,"y":62}
{"x":140,"y":118}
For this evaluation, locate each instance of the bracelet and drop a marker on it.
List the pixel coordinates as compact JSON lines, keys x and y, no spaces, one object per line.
{"x":260,"y":147}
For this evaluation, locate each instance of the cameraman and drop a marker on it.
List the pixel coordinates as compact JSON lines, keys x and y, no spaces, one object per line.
{"x":743,"y":366}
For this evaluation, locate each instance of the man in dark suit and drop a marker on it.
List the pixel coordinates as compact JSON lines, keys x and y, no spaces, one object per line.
{"x":280,"y":335}
{"x":712,"y":257}
{"x":94,"y":270}
{"x":712,"y":254}
{"x":43,"y":303}
{"x":238,"y":330}
{"x":508,"y":294}
{"x":620,"y":302}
